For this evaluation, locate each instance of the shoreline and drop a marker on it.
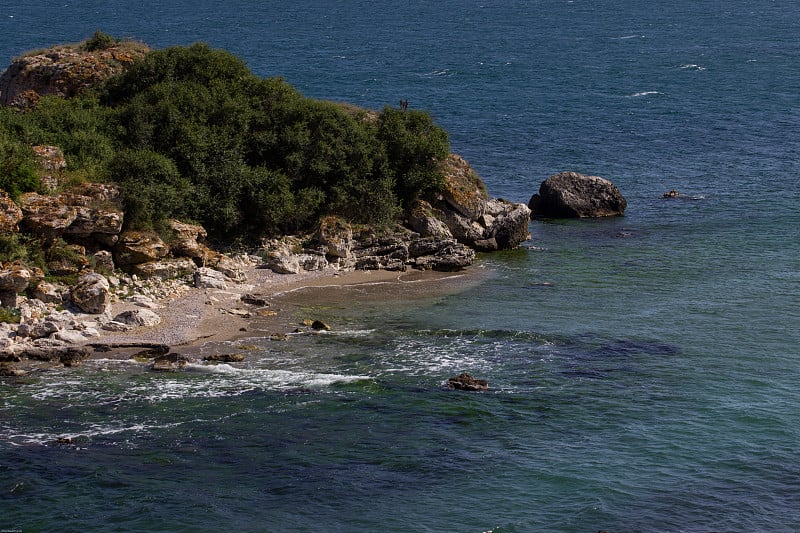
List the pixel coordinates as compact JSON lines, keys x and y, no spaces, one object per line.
{"x":199,"y":322}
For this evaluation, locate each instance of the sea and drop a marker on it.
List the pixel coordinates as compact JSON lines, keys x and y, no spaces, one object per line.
{"x":644,"y":370}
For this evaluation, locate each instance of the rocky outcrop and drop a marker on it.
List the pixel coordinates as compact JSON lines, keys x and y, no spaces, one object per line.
{"x":470,"y":216}
{"x":289,"y":256}
{"x":88,"y":213}
{"x":51,"y":160}
{"x":187,"y":241}
{"x":573,"y":195}
{"x":46,"y":216}
{"x":10,"y":214}
{"x":336,"y":237}
{"x":165,"y":268}
{"x":423,"y":219}
{"x":66,"y":259}
{"x":14,"y":279}
{"x":64,"y":71}
{"x":366,"y":248}
{"x":136,"y":247}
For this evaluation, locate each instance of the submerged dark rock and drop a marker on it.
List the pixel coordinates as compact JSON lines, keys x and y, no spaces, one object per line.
{"x":224,"y":358}
{"x":466,"y":382}
{"x":170,"y":362}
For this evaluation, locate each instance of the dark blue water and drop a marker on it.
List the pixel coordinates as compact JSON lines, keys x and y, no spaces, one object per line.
{"x":644,"y":370}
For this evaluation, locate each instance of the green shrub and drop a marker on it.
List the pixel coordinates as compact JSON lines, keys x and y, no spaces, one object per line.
{"x":10,"y":315}
{"x":17,"y":174}
{"x":22,"y":248}
{"x":152,"y":188}
{"x":99,"y":41}
{"x":416,"y":148}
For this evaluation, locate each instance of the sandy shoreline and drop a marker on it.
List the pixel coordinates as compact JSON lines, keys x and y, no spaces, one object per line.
{"x":201,"y":317}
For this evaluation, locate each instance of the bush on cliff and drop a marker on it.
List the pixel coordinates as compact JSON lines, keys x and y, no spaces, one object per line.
{"x":17,"y":167}
{"x":191,"y":133}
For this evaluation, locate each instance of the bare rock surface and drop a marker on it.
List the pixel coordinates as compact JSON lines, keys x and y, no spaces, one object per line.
{"x":63,"y":71}
{"x":574,"y":195}
{"x":91,"y":293}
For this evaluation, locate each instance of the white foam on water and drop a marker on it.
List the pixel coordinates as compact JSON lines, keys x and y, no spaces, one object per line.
{"x":352,"y":332}
{"x":448,"y":354}
{"x":644,"y":93}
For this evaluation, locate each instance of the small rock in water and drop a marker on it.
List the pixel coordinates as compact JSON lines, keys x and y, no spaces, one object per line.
{"x":466,"y":382}
{"x":254,"y":299}
{"x":320,"y":325}
{"x":224,"y":358}
{"x":9,"y":371}
{"x":170,"y":362}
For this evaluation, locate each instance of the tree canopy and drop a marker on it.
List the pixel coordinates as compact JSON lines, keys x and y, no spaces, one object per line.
{"x":192,"y":133}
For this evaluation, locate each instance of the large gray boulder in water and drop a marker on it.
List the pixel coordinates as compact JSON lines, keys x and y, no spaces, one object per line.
{"x":573,"y":195}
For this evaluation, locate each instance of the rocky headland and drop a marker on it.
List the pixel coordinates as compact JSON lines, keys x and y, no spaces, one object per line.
{"x":100,"y":285}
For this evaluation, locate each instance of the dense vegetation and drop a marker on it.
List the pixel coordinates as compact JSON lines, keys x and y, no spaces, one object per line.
{"x":191,"y":133}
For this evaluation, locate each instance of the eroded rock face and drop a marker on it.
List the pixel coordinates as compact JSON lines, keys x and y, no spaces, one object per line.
{"x":91,"y":293}
{"x":464,"y":190}
{"x":16,"y":277}
{"x":89,"y":221}
{"x":471,"y":217}
{"x":422,"y":219}
{"x":72,"y":214}
{"x":63,"y":71}
{"x":46,"y":216}
{"x":336,"y":235}
{"x":508,"y":225}
{"x":136,"y":247}
{"x":574,"y":195}
{"x":51,"y":160}
{"x":165,"y":269}
{"x":49,"y":292}
{"x":188,"y":240}
{"x":10,"y":213}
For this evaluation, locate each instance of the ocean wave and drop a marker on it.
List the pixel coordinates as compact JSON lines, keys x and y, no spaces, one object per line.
{"x":644,"y":93}
{"x":437,"y":73}
{"x":195,"y":381}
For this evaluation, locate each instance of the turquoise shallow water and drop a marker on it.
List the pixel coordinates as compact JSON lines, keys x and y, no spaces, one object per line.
{"x":644,"y":369}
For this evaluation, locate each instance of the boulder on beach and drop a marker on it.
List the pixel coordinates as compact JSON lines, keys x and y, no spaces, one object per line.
{"x":91,"y":293}
{"x":574,"y":195}
{"x":138,"y":317}
{"x":206,"y":278}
